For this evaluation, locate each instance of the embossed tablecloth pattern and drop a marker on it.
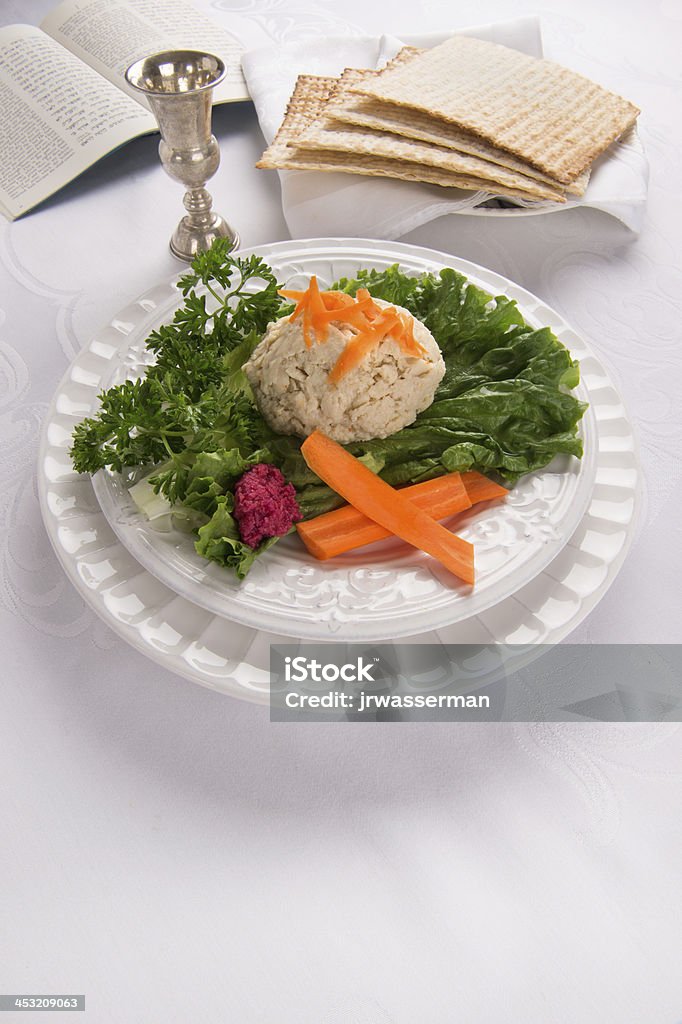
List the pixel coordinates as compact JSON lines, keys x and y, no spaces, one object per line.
{"x":167,"y":848}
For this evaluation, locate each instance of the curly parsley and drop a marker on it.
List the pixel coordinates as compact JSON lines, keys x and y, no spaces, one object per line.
{"x":189,"y":398}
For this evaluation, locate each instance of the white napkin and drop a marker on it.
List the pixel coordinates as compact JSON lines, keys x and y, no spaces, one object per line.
{"x":326,"y":203}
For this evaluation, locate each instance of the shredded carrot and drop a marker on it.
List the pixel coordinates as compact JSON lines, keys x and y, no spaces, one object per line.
{"x":344,"y":529}
{"x":355,"y":314}
{"x":362,"y":295}
{"x":407,"y":339}
{"x":318,"y":311}
{"x":337,"y":300}
{"x":311,"y":305}
{"x":298,"y":297}
{"x":384,"y":505}
{"x":363,"y":343}
{"x":332,"y":300}
{"x":370,"y":320}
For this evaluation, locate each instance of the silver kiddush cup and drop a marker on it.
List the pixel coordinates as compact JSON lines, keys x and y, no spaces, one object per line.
{"x":178,"y":85}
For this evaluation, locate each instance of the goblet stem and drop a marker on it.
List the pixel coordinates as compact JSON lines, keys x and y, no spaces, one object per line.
{"x":202,"y":225}
{"x":178,"y":85}
{"x":198,"y":204}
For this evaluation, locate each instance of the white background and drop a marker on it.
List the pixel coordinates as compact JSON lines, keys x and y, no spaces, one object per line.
{"x":174,"y":856}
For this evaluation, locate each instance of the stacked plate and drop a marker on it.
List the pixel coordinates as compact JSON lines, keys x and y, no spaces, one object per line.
{"x":544,"y":557}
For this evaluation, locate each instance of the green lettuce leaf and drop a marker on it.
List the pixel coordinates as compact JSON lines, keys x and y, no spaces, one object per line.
{"x":504,"y":405}
{"x":196,"y":479}
{"x":218,"y":540}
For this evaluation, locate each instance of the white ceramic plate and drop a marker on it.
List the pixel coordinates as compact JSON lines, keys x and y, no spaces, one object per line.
{"x":388,"y":590}
{"x":233,"y":658}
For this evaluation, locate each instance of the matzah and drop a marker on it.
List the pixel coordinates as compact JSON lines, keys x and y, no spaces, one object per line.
{"x":359,"y":142}
{"x":306,"y":103}
{"x":553,"y":118}
{"x":346,"y":107}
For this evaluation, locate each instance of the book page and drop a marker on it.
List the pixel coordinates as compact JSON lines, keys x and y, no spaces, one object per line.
{"x":110,"y":34}
{"x":57,"y":117}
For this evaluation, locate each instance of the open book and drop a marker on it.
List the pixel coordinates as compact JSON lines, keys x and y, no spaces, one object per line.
{"x":64,"y":103}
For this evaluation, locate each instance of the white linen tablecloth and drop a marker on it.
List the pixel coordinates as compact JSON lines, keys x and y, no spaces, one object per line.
{"x":173,"y":855}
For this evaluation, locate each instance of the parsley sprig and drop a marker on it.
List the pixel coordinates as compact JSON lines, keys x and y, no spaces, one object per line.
{"x":186,"y":401}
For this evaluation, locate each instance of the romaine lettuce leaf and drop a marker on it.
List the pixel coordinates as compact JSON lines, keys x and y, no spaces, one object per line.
{"x":503,"y":406}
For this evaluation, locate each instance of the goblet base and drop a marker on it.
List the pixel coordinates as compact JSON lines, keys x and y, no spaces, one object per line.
{"x":188,"y":239}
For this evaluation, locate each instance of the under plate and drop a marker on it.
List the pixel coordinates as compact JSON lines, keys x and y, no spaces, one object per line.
{"x":233,"y":658}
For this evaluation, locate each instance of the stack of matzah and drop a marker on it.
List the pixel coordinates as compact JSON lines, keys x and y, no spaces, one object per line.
{"x":466,"y":114}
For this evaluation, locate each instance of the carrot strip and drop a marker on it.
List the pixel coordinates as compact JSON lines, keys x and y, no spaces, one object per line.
{"x":386,"y":506}
{"x":356,"y":349}
{"x":332,"y":300}
{"x":344,"y":529}
{"x":362,"y":295}
{"x":407,"y":340}
{"x":300,"y":305}
{"x":319,"y":309}
{"x":318,"y":313}
{"x":337,"y":300}
{"x":480,"y":488}
{"x":307,"y":325}
{"x":355,"y":314}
